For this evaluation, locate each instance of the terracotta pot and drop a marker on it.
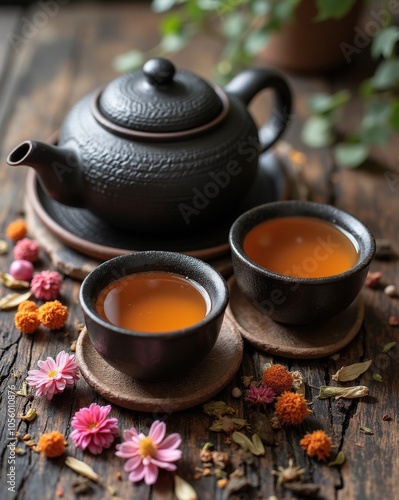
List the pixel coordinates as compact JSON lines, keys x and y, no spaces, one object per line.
{"x":308,"y":45}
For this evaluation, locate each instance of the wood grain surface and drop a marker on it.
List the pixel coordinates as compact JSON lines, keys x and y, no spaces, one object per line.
{"x":39,"y":82}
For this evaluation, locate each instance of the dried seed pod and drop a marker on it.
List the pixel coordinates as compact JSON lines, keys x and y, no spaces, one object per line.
{"x":351,"y":372}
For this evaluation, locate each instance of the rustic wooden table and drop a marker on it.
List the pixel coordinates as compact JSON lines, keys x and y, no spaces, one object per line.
{"x":42,"y":73}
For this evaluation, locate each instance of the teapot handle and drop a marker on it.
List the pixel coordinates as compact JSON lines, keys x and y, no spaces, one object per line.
{"x":250,"y":82}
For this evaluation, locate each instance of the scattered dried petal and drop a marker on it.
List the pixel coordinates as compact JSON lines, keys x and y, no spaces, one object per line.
{"x":29,"y":416}
{"x":184,"y":490}
{"x":373,"y":279}
{"x":81,"y":468}
{"x":366,"y":430}
{"x":388,"y":347}
{"x":377,"y":377}
{"x":298,"y":383}
{"x":351,"y":372}
{"x":358,"y":391}
{"x":393,"y":320}
{"x":10,"y":282}
{"x":12,"y":300}
{"x":339,"y":460}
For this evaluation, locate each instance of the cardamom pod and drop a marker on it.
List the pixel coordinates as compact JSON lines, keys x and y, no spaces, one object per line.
{"x":81,"y":468}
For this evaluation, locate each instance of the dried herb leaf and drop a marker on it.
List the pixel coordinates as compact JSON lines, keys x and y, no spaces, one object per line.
{"x":351,"y":372}
{"x":11,"y":282}
{"x":81,"y":468}
{"x":29,"y":416}
{"x":184,"y":490}
{"x":244,"y":442}
{"x":366,"y":430}
{"x":240,"y":423}
{"x":3,"y":247}
{"x":260,"y":449}
{"x":217,"y":426}
{"x":358,"y":391}
{"x":217,"y":408}
{"x":377,"y":377}
{"x":13,"y":300}
{"x":388,"y":347}
{"x":339,"y":460}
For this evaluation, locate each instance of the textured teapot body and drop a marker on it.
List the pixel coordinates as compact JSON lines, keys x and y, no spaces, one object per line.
{"x":159,"y":185}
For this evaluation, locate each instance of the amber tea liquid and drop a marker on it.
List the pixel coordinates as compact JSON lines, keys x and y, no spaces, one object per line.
{"x":303,"y":247}
{"x":153,"y":302}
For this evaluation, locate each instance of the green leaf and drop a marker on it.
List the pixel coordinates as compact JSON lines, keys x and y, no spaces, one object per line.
{"x":129,"y":61}
{"x":324,"y":103}
{"x":171,"y":25}
{"x":333,"y":8}
{"x":375,"y":134}
{"x":173,"y":43}
{"x":339,"y":460}
{"x":388,"y":347}
{"x":317,"y":132}
{"x":283,"y":11}
{"x":211,"y":5}
{"x":377,"y":112}
{"x":366,"y":89}
{"x":260,"y":8}
{"x":386,"y":75}
{"x":394,"y":118}
{"x":383,"y":44}
{"x":256,"y":41}
{"x":233,"y":25}
{"x":350,"y":155}
{"x":162,"y":5}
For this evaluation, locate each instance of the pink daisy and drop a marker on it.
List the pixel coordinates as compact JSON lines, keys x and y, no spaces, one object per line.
{"x":46,"y":285}
{"x":54,"y":376}
{"x":92,"y":428}
{"x":260,"y":395}
{"x":147,"y":454}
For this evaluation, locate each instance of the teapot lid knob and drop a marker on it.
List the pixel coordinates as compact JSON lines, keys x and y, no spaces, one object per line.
{"x":159,"y":71}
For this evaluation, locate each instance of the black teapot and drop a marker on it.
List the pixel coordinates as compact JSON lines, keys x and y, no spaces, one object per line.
{"x":159,"y":150}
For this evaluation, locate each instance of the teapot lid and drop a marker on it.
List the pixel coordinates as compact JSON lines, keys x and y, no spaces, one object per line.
{"x":157,"y":99}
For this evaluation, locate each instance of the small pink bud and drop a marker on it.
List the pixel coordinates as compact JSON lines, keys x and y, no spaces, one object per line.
{"x":21,"y":270}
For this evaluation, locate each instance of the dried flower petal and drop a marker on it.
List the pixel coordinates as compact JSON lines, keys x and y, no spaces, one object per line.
{"x":298,"y":383}
{"x":10,"y":282}
{"x":351,"y":372}
{"x":373,"y":279}
{"x":12,"y":300}
{"x":366,"y":430}
{"x":184,"y":490}
{"x":358,"y":391}
{"x":388,"y":347}
{"x":339,"y":460}
{"x":81,"y":468}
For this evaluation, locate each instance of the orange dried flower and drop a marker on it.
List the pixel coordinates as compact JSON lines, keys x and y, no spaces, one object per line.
{"x":278,"y":378}
{"x":316,"y":444}
{"x":291,"y":408}
{"x":53,"y":315}
{"x":27,"y":321}
{"x":27,"y":306}
{"x":52,"y":444}
{"x":17,"y":230}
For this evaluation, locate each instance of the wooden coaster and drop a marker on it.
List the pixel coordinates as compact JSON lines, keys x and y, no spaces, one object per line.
{"x":191,"y":389}
{"x":296,"y":342}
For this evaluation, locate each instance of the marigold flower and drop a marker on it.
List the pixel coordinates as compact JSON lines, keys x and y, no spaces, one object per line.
{"x":147,"y":454}
{"x":46,"y":285}
{"x":54,"y":376}
{"x":316,"y":444}
{"x":278,"y":378}
{"x":260,"y":395}
{"x":291,"y":408}
{"x":92,"y":428}
{"x":52,"y":444}
{"x":53,"y":315}
{"x":16,"y":230}
{"x":27,"y":321}
{"x":27,"y":306}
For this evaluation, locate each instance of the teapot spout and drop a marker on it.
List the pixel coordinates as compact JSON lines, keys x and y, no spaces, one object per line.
{"x":57,"y":168}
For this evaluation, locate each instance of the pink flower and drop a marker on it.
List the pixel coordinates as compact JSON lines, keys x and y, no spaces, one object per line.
{"x":260,"y":395}
{"x":92,"y":428}
{"x":54,"y":376}
{"x":147,"y":454}
{"x":46,"y":285}
{"x":26,"y":249}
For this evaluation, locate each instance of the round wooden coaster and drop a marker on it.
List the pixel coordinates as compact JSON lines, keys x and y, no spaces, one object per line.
{"x":297,"y":342}
{"x":191,"y":389}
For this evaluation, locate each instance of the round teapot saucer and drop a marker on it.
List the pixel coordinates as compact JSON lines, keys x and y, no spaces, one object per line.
{"x":83,"y":231}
